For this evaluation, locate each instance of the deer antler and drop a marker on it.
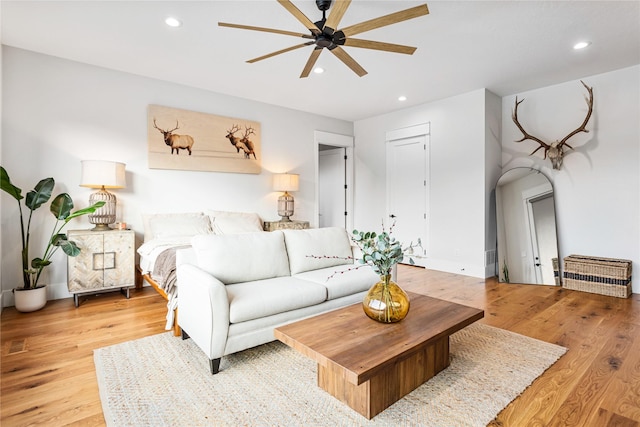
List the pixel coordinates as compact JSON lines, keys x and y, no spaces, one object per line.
{"x":175,"y":128}
{"x":248,"y":131}
{"x":586,"y":119}
{"x":525,"y":134}
{"x":555,"y":150}
{"x":234,"y":129}
{"x":163,"y":131}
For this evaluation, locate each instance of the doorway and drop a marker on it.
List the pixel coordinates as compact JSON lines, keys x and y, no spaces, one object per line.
{"x":541,"y":218}
{"x":334,"y":180}
{"x":332,"y":187}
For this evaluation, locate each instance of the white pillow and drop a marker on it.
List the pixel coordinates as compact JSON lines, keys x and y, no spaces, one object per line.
{"x":317,"y":248}
{"x":224,"y":222}
{"x":242,"y":257}
{"x":158,"y":226}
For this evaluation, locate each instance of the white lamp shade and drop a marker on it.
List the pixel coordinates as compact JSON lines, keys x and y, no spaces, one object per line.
{"x":99,"y":173}
{"x":285,"y":182}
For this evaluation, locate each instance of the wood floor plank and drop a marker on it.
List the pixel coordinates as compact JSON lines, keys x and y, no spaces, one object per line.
{"x":53,"y":382}
{"x":623,"y":391}
{"x":47,"y":376}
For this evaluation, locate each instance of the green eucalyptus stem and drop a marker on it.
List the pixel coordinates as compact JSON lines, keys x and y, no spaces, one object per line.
{"x":389,"y":307}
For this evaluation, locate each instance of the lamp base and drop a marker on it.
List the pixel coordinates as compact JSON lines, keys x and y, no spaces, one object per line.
{"x":285,"y":207}
{"x":101,"y":227}
{"x":105,"y":215}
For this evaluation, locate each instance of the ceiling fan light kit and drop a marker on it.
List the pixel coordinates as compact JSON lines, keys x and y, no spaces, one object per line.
{"x":325,"y":33}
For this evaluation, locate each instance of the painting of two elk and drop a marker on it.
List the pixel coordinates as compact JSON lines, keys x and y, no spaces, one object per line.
{"x":189,"y":140}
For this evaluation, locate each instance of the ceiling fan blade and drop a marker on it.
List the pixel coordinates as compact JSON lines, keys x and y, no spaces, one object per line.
{"x":266,"y":30}
{"x":348,"y":60}
{"x":383,"y":21}
{"x":335,"y":16}
{"x":311,"y":62}
{"x":389,"y":47}
{"x":300,"y":16}
{"x":269,"y":55}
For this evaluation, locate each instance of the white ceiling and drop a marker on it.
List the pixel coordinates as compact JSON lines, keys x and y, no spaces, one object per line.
{"x":504,"y":46}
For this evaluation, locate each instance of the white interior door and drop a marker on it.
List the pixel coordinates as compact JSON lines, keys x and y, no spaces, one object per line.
{"x":407,"y":190}
{"x":332,"y":191}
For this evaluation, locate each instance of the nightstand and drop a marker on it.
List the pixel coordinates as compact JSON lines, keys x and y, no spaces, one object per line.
{"x":289,"y":225}
{"x":106,"y":262}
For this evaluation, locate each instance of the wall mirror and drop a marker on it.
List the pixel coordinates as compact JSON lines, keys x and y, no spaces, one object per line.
{"x":527,"y":247}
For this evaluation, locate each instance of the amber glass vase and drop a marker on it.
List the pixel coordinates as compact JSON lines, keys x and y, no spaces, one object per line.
{"x":386,"y":302}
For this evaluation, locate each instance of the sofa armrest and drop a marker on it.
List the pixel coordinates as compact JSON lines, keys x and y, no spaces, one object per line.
{"x":203,"y":309}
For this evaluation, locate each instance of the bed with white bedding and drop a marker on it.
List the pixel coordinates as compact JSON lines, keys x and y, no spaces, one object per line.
{"x":164,"y":234}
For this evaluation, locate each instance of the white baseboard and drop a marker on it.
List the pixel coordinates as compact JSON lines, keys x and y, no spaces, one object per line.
{"x":54,"y":291}
{"x":457,"y":268}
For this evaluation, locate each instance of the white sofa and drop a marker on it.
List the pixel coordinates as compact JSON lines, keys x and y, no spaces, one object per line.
{"x":235,"y":289}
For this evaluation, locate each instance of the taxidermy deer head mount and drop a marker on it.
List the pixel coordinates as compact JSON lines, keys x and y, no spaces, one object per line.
{"x":555,"y":150}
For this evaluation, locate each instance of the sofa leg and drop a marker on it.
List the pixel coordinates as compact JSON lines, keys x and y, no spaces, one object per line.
{"x":215,"y":366}
{"x":185,"y":335}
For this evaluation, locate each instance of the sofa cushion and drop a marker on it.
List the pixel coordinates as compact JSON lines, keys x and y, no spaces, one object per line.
{"x":234,"y":258}
{"x":262,"y":298}
{"x":317,"y":248}
{"x":342,"y":280}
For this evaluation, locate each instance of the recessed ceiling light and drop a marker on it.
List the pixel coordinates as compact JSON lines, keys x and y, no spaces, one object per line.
{"x":318,"y":70}
{"x":402,"y":98}
{"x":172,"y":22}
{"x":581,"y":45}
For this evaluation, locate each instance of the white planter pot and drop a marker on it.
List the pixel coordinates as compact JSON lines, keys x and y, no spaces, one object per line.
{"x":27,"y":300}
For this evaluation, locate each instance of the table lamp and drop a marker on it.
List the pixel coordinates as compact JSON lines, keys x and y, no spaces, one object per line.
{"x":103,"y":174}
{"x":285,"y":182}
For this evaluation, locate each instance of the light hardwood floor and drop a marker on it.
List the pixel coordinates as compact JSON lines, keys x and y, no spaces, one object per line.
{"x":48,"y":374}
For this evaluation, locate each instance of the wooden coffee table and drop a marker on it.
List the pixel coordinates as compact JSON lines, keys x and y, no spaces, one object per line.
{"x":370,"y":365}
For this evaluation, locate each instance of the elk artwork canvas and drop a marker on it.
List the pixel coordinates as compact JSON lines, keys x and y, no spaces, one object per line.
{"x":189,"y":140}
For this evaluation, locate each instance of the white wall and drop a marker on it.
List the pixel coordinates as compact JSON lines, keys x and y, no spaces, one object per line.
{"x":57,"y":113}
{"x":597,"y":191}
{"x":458,"y":175}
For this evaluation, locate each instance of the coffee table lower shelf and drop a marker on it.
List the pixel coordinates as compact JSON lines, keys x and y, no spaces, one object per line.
{"x":369,"y":365}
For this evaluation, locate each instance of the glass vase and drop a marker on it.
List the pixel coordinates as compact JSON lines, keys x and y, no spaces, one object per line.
{"x":386,"y":302}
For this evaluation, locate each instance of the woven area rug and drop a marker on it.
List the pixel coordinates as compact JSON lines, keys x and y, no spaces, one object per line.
{"x":162,"y":380}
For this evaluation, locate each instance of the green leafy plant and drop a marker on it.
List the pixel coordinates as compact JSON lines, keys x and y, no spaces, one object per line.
{"x":382,"y":251}
{"x":60,"y":207}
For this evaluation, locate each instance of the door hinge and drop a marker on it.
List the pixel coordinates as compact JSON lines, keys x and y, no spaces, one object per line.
{"x":425,"y":216}
{"x":345,"y":186}
{"x":345,"y":157}
{"x":345,"y":213}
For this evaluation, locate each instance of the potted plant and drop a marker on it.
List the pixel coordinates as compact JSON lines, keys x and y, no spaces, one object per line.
{"x":385,"y":302}
{"x":31,"y":296}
